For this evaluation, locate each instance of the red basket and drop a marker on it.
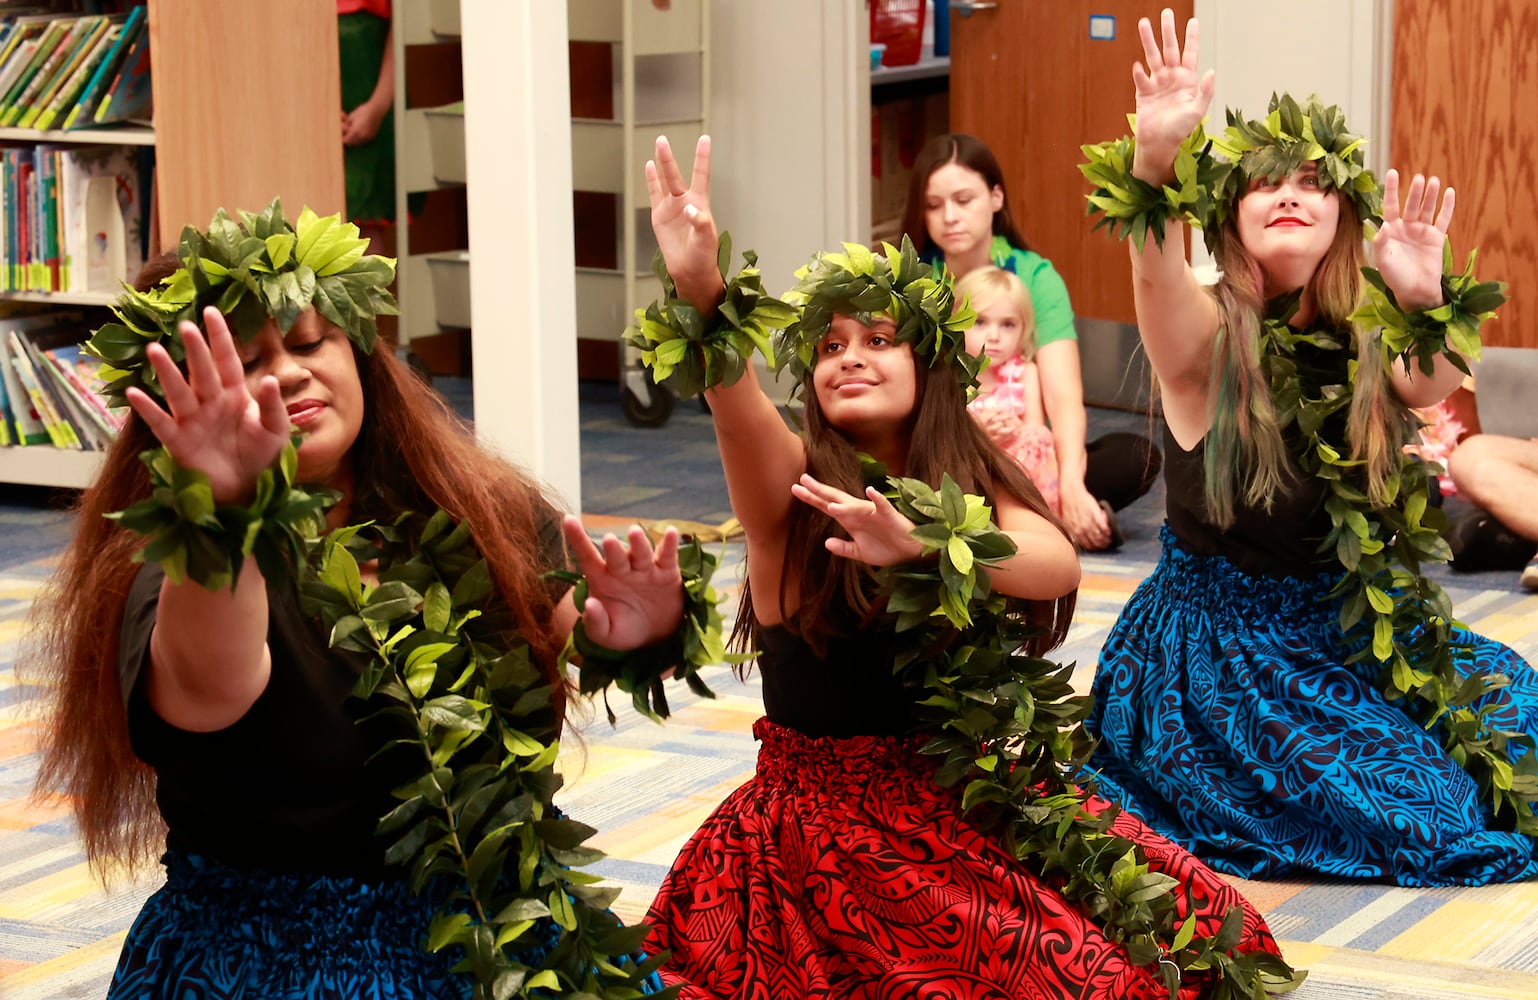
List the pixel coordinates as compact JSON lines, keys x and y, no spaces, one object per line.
{"x":900,"y":24}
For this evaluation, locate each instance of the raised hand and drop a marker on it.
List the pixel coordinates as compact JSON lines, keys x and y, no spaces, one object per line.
{"x":1171,"y":97}
{"x":212,"y":422}
{"x":1408,"y":249}
{"x":878,"y":534}
{"x":635,"y":594}
{"x":686,"y":231}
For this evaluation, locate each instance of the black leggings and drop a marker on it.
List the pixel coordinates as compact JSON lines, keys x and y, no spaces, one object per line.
{"x":1121,"y":467}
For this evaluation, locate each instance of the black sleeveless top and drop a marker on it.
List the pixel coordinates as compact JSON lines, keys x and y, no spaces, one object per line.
{"x":1283,"y":541}
{"x":851,"y":692}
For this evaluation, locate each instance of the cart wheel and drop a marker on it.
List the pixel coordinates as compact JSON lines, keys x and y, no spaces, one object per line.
{"x":652,"y":412}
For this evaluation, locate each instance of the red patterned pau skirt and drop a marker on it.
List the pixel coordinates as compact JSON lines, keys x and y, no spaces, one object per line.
{"x":841,"y":870}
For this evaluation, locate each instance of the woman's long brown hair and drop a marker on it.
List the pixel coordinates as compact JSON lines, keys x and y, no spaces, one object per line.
{"x":834,"y":596}
{"x":412,"y":453}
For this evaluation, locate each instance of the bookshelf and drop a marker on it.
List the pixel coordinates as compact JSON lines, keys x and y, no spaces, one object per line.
{"x":205,"y":156}
{"x":662,"y":88}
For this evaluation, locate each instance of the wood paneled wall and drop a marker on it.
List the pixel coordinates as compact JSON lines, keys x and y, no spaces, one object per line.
{"x":247,"y":107}
{"x":1465,"y":93}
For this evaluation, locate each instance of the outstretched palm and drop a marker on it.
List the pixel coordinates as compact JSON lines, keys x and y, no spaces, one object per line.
{"x":681,"y":219}
{"x":211,"y":421}
{"x":635,"y":592}
{"x":879,"y":535}
{"x":1408,"y":249}
{"x":1171,"y":97}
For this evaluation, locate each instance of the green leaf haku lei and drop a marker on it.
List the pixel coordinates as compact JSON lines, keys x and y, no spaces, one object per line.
{"x":1206,"y":188}
{"x":258,"y":270}
{"x":698,"y":354}
{"x":1390,"y":610}
{"x":1007,"y":729}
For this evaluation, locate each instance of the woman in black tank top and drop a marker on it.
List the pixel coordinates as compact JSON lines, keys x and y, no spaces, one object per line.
{"x":844,"y":868}
{"x":1285,"y":693}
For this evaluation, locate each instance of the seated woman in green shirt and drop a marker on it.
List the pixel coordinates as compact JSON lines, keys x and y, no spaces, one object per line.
{"x":958,"y":210}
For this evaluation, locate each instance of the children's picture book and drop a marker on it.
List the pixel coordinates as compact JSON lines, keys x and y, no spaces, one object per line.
{"x":102,"y":205}
{"x":128,"y":97}
{"x":106,"y":71}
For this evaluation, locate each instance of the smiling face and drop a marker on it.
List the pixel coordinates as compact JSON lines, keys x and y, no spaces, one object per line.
{"x":864,"y":380}
{"x":1287,"y":226}
{"x":318,"y":375}
{"x":958,"y":210}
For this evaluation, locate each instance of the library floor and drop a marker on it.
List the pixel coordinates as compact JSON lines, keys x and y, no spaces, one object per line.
{"x":646,"y":787}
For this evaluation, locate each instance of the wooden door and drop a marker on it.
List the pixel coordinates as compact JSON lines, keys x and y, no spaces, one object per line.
{"x":1465,"y":85}
{"x":1029,"y":80}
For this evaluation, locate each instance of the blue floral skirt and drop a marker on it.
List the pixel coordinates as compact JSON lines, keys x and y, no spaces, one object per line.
{"x":217,"y":932}
{"x":1230,"y":721}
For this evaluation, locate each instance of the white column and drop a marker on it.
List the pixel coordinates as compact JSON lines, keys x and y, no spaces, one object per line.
{"x":522,"y":282}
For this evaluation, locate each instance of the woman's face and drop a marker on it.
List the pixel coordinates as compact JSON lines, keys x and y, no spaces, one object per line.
{"x":1288,"y":225}
{"x":864,"y":379}
{"x":318,"y":375}
{"x":998,"y":330}
{"x":958,"y":210}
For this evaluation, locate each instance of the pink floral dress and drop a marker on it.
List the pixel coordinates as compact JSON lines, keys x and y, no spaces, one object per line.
{"x":1002,"y":412}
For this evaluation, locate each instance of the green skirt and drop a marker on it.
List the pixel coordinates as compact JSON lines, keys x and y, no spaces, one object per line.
{"x":370,"y":168}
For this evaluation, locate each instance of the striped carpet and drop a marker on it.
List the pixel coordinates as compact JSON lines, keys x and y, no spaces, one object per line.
{"x":646,"y":787}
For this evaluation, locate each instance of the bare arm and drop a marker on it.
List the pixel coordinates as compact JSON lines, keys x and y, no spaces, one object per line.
{"x":1030,"y":391}
{"x":209,"y":660}
{"x":1062,"y":392}
{"x":1045,"y":565}
{"x":1177,"y":319}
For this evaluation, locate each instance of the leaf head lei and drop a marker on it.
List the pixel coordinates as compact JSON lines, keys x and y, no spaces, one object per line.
{"x":258,"y":269}
{"x":918,"y":298}
{"x":1273,"y":147}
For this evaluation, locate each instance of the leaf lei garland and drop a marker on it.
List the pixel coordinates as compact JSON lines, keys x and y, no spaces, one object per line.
{"x":193,"y":538}
{"x":482,"y":813}
{"x":1131,"y":207}
{"x":1008,"y":732}
{"x":698,"y":642}
{"x":676,"y":342}
{"x":261,"y":269}
{"x":1207,"y":188}
{"x":1400,"y":618}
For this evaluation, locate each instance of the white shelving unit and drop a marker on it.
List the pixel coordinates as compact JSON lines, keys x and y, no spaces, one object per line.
{"x":662,"y":64}
{"x":429,"y":154}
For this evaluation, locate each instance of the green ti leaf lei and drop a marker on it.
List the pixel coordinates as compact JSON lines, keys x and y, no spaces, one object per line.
{"x":193,"y":538}
{"x":1400,"y":618}
{"x":481,"y":813}
{"x":1207,"y":187}
{"x":262,"y":268}
{"x":1008,"y":734}
{"x":699,"y":642}
{"x":697,"y":353}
